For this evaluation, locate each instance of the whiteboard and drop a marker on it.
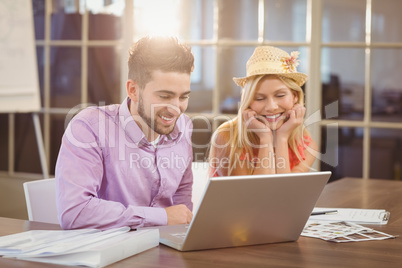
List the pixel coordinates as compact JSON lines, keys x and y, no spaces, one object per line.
{"x":19,"y":84}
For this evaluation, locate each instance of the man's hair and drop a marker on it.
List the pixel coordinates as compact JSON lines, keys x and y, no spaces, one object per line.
{"x":161,"y":53}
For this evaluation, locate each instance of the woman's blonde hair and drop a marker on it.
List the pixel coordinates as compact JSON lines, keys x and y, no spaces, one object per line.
{"x":233,"y":139}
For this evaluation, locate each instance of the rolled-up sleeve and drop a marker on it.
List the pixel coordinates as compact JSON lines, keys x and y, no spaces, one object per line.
{"x":184,"y":191}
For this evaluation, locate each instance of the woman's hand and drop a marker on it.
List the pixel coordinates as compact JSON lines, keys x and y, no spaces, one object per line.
{"x":258,"y":125}
{"x":295,"y":118}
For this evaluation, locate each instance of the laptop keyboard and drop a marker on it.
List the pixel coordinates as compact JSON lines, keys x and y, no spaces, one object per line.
{"x":180,"y":235}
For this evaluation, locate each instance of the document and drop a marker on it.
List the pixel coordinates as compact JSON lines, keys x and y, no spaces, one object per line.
{"x":85,"y":247}
{"x":355,"y":215}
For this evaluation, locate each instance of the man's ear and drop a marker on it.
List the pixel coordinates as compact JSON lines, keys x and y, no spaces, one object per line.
{"x":132,"y":90}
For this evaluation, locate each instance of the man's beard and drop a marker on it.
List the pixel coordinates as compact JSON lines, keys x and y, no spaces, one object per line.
{"x":152,"y":124}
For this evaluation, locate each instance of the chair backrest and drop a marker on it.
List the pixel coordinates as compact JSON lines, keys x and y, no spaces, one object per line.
{"x":40,"y":197}
{"x":200,"y":179}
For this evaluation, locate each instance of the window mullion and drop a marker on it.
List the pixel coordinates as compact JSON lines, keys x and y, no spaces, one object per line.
{"x":367,"y":94}
{"x":46,"y":85}
{"x":313,"y":86}
{"x":218,"y":53}
{"x":84,"y":56}
{"x":128,"y":37}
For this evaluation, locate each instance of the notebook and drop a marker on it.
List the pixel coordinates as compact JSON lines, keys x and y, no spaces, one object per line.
{"x":248,"y":210}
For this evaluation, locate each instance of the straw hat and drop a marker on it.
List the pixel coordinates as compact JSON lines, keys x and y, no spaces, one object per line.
{"x":272,"y":60}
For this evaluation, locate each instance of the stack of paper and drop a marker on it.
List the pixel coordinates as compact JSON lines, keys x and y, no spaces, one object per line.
{"x":87,"y":247}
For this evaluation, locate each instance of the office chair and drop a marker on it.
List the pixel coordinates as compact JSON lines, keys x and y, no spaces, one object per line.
{"x":40,"y":197}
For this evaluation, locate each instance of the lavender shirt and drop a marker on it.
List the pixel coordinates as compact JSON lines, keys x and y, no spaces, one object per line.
{"x":108,"y":174}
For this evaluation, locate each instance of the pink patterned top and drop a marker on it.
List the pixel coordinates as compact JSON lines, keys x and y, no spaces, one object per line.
{"x":293,"y":160}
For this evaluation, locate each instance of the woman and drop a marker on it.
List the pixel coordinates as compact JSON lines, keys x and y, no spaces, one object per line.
{"x":267,"y":136}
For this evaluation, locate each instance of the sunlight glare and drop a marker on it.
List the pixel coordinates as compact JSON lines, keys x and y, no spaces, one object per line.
{"x":156,"y":17}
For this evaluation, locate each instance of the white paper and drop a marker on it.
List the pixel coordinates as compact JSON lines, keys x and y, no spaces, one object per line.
{"x":36,"y":239}
{"x":355,"y":215}
{"x":70,"y":244}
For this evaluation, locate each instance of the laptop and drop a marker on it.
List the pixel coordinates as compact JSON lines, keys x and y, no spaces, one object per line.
{"x":248,"y":210}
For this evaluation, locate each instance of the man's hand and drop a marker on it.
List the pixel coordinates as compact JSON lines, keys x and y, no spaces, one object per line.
{"x":178,"y":214}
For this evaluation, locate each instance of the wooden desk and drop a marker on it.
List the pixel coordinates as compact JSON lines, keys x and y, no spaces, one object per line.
{"x":306,"y":252}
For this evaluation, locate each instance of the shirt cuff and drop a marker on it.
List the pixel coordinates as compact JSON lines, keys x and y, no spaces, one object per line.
{"x":155,"y":216}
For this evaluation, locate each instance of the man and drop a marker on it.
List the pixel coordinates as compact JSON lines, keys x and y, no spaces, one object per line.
{"x":130,"y":164}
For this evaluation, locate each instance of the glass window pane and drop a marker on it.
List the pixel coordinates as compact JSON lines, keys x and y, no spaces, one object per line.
{"x":342,"y":151}
{"x":386,"y":21}
{"x":202,"y":80}
{"x":4,"y":142}
{"x":202,"y":132}
{"x":196,"y":19}
{"x":343,"y":20}
{"x":103,"y":75}
{"x":293,"y":28}
{"x":40,"y":59}
{"x":26,"y":148}
{"x":105,"y":19}
{"x":232,"y":64}
{"x":238,"y":19}
{"x":38,"y":7}
{"x":187,"y":19}
{"x":65,"y":77}
{"x":385,"y":153}
{"x":387,"y":89}
{"x":66,"y":21}
{"x":342,"y":74}
{"x":156,"y":17}
{"x":57,"y":127}
{"x":303,"y":57}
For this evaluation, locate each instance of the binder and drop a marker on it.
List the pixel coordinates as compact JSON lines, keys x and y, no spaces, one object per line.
{"x":85,"y":247}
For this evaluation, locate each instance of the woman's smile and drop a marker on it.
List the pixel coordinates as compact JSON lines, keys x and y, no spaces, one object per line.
{"x":273,"y":118}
